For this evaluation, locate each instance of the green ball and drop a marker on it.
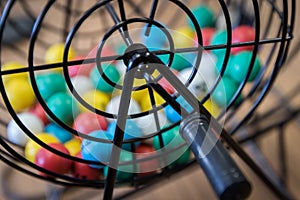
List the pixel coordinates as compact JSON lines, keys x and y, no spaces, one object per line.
{"x":219,"y":66}
{"x":99,"y":82}
{"x":224,"y":91}
{"x":239,"y":67}
{"x":220,"y":37}
{"x":204,"y":16}
{"x":124,"y":172}
{"x":173,"y":139}
{"x":63,"y":107}
{"x":49,"y":84}
{"x":181,"y":62}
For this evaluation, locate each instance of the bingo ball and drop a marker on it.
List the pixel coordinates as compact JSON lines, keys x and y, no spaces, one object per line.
{"x":84,"y":171}
{"x":146,"y":102}
{"x":55,"y":54}
{"x":94,"y":150}
{"x":12,"y":66}
{"x":50,"y":84}
{"x":172,"y":140}
{"x":204,"y":16}
{"x":16,"y":135}
{"x":132,"y":131}
{"x":32,"y":147}
{"x":239,"y":66}
{"x":150,"y":166}
{"x":99,"y":81}
{"x":61,"y":134}
{"x":219,"y":38}
{"x":156,"y":37}
{"x":212,"y":108}
{"x":124,"y":172}
{"x":242,"y":34}
{"x":87,"y":122}
{"x":73,"y":146}
{"x":113,"y":106}
{"x":39,"y":111}
{"x":81,"y":84}
{"x":53,"y":162}
{"x":96,"y":99}
{"x":181,"y":62}
{"x":172,"y":115}
{"x":148,"y":123}
{"x":207,"y":34}
{"x":183,"y":37}
{"x":20,"y":94}
{"x":63,"y":107}
{"x":83,"y":69}
{"x":224,"y":91}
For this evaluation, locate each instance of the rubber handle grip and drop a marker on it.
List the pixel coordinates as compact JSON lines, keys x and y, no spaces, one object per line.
{"x":224,"y":175}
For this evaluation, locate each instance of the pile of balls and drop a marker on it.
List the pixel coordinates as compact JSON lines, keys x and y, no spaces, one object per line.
{"x":94,"y":90}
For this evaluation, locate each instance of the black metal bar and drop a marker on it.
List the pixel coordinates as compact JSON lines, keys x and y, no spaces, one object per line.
{"x":152,"y":15}
{"x":119,"y":132}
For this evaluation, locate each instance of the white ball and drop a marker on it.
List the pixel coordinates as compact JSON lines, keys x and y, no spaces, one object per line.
{"x":114,"y":104}
{"x":16,"y":135}
{"x":148,"y":125}
{"x":81,"y":84}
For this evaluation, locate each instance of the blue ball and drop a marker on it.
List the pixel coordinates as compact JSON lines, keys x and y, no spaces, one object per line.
{"x":131,"y":131}
{"x":96,"y":151}
{"x":156,"y":37}
{"x":172,"y":115}
{"x":61,"y":134}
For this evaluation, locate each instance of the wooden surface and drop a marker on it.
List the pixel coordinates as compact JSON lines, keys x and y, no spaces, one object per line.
{"x":192,"y":184}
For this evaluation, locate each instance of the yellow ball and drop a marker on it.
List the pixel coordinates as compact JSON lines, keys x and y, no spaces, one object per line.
{"x":12,"y":66}
{"x":73,"y":146}
{"x":183,"y":37}
{"x":20,"y":94}
{"x":55,"y":54}
{"x":32,"y":148}
{"x":212,"y":108}
{"x":146,"y":102}
{"x":96,"y":99}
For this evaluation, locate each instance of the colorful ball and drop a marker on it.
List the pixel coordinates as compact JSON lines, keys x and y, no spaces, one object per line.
{"x":20,"y":94}
{"x":171,"y":140}
{"x":16,"y":135}
{"x":132,"y":131}
{"x":219,"y":38}
{"x":125,"y":172}
{"x":155,"y":39}
{"x":96,"y":99}
{"x":32,"y":148}
{"x":242,"y":34}
{"x":13,"y":66}
{"x":224,"y":91}
{"x":81,"y":84}
{"x":207,"y":34}
{"x":146,"y":102}
{"x":50,"y":84}
{"x":83,"y":69}
{"x":148,"y":167}
{"x":55,"y":54}
{"x":63,"y":107}
{"x":96,"y":151}
{"x":212,"y":108}
{"x":100,"y":83}
{"x":61,"y":134}
{"x":88,"y":122}
{"x":204,"y":16}
{"x":181,"y":61}
{"x":172,"y":115}
{"x":183,"y":37}
{"x":239,"y":67}
{"x":39,"y":111}
{"x":84,"y":171}
{"x":148,"y":125}
{"x":114,"y":104}
{"x":53,"y":162}
{"x":73,"y":146}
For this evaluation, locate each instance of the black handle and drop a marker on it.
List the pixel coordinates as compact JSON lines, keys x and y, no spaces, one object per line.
{"x":224,"y":175}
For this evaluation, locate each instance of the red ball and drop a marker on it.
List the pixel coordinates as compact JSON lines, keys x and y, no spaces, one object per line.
{"x":166,"y":85}
{"x":87,"y":122}
{"x":53,"y":162}
{"x":243,"y":34}
{"x":39,"y":111}
{"x":84,"y":171}
{"x":148,"y":167}
{"x":207,"y":34}
{"x":83,"y":69}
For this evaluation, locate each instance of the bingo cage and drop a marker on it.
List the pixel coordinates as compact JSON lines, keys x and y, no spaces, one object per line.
{"x":125,"y":93}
